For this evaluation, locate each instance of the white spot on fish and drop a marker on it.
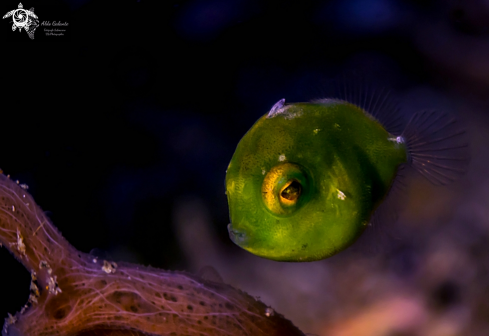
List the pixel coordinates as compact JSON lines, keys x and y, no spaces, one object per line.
{"x":263,"y":171}
{"x":269,"y":312}
{"x":13,"y":208}
{"x":398,"y":139}
{"x":281,"y":158}
{"x":290,"y":115}
{"x":341,"y":195}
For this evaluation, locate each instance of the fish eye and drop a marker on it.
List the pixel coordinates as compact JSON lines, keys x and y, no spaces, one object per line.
{"x":290,"y":192}
{"x":283,"y":188}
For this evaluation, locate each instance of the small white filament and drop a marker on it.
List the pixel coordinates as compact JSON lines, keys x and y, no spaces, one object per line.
{"x":341,"y":195}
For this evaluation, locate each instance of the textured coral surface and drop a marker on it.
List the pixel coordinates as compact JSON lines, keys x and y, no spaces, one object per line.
{"x":73,"y":293}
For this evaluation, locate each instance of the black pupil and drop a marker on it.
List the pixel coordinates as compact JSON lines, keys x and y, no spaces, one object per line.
{"x":292,"y":192}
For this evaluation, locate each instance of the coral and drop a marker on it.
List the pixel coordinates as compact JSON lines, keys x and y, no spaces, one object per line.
{"x":73,"y":293}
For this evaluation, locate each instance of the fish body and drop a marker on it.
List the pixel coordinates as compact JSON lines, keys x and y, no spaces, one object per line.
{"x":306,"y":179}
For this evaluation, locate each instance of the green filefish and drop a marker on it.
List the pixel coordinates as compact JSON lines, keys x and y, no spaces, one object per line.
{"x":306,"y":180}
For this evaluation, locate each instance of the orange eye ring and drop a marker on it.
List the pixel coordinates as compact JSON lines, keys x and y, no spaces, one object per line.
{"x":282,"y":188}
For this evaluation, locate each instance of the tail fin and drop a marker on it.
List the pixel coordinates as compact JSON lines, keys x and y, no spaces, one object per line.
{"x":436,"y":146}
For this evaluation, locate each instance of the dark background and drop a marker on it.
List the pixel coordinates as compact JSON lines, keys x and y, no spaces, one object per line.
{"x":124,"y":127}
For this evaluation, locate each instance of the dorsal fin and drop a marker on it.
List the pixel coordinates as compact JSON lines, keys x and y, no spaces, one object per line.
{"x":378,"y":102}
{"x":277,"y":108}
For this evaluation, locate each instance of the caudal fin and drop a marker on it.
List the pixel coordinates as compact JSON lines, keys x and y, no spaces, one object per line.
{"x":437,"y":146}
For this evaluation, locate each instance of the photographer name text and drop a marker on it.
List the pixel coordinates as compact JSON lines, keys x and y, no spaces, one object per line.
{"x":54,"y":23}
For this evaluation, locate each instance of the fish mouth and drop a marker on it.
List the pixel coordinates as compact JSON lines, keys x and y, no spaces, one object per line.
{"x":238,"y":237}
